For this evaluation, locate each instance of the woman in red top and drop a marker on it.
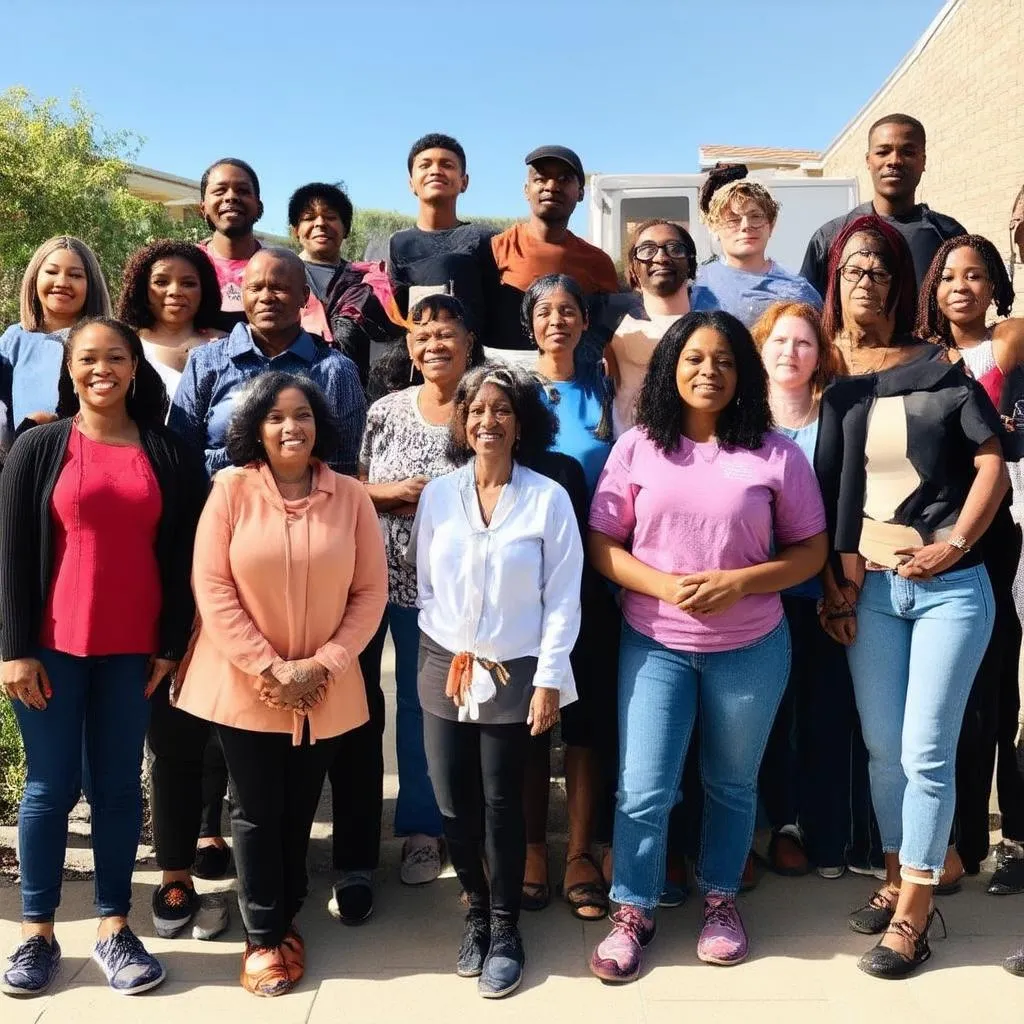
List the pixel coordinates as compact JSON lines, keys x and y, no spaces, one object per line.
{"x":98,"y":512}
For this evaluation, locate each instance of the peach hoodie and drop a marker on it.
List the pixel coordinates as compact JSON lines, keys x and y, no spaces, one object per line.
{"x":292,"y":580}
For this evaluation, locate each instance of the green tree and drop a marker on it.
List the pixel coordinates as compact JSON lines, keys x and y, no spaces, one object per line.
{"x":61,"y":173}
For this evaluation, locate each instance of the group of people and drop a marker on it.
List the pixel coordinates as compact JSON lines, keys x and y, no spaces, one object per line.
{"x":744,"y":534}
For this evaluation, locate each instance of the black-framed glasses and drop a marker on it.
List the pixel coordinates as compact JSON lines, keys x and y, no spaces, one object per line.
{"x":876,"y":275}
{"x":647,"y":252}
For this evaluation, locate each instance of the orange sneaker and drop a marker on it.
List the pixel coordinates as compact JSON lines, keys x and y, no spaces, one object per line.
{"x":264,"y":972}
{"x":293,"y":949}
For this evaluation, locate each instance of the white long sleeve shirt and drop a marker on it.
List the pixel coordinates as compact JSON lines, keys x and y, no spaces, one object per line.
{"x":504,"y":591}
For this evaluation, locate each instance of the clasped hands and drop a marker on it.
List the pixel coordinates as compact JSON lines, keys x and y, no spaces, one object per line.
{"x":705,"y":593}
{"x":294,"y":685}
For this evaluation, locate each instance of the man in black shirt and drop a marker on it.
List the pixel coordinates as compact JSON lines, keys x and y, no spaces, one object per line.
{"x":442,"y":253}
{"x":896,"y":161}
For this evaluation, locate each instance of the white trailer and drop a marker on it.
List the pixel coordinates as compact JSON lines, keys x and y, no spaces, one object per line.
{"x":616,"y":202}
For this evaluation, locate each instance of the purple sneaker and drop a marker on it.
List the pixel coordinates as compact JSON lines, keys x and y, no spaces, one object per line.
{"x":620,"y":955}
{"x":723,"y":940}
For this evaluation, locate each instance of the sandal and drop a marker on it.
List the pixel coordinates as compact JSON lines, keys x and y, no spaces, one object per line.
{"x":264,"y":972}
{"x":536,"y":895}
{"x":587,"y":895}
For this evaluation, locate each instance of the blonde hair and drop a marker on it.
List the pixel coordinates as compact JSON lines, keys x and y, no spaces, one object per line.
{"x":97,"y":297}
{"x":744,"y":188}
{"x":828,"y":358}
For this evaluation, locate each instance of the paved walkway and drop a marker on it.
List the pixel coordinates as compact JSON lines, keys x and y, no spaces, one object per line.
{"x":398,"y":967}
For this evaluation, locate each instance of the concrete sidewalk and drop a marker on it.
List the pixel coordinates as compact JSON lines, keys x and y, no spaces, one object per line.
{"x":399,"y":965}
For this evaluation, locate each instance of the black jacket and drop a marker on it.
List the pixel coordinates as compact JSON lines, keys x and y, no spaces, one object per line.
{"x":26,"y":533}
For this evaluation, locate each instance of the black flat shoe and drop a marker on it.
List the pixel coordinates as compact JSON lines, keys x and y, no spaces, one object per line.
{"x":1008,"y":878}
{"x":476,"y":941}
{"x":882,"y":962}
{"x":874,"y":917}
{"x":1014,"y":963}
{"x":212,"y":862}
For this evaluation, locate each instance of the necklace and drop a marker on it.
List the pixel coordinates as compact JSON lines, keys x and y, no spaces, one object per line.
{"x":849,"y":355}
{"x":812,"y":412}
{"x":713,"y":445}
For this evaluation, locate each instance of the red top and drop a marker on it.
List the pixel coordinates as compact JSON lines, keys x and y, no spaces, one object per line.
{"x":105,"y":592}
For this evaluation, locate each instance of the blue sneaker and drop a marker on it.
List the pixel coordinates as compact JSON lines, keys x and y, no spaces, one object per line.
{"x":673,"y":895}
{"x":32,"y":967}
{"x":128,"y":967}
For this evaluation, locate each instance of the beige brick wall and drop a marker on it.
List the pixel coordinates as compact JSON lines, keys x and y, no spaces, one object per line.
{"x":967,"y":88}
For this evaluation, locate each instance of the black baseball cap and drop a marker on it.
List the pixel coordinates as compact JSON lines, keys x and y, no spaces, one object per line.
{"x":563,"y":153}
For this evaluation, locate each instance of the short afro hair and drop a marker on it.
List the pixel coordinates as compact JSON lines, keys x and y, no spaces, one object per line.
{"x":435,"y":140}
{"x":253,"y":405}
{"x":660,"y":409}
{"x":332,"y":196}
{"x":133,"y":307}
{"x":538,"y":425}
{"x":231,"y":161}
{"x":905,"y":120}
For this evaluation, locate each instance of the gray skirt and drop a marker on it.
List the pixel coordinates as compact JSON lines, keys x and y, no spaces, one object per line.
{"x":510,"y":706}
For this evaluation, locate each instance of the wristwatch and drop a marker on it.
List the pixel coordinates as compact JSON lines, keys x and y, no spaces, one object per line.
{"x":959,"y":541}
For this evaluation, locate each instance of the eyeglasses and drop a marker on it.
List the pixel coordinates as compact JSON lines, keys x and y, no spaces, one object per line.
{"x":856,"y":274}
{"x":647,"y":252}
{"x":754,"y":220}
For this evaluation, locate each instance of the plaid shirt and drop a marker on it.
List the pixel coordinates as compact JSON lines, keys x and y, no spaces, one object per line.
{"x":204,"y":401}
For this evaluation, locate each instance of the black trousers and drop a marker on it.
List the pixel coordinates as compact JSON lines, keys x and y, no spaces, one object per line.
{"x":275,"y":789}
{"x":470,"y":766}
{"x":357,"y":774}
{"x":990,"y":720}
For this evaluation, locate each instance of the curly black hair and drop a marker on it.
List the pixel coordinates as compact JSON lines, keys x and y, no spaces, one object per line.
{"x":333,"y":197}
{"x":660,"y":411}
{"x":393,"y":371}
{"x":146,"y":402}
{"x":538,"y":426}
{"x":253,"y":405}
{"x":932,"y":324}
{"x":133,"y":307}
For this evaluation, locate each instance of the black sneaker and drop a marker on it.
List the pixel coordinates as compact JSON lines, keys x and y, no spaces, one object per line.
{"x":174,"y":906}
{"x":211,"y":862}
{"x":875,"y":915}
{"x":1008,"y":877}
{"x":129,"y":968}
{"x":351,"y":901}
{"x":476,"y":941}
{"x":32,"y":967}
{"x":1014,"y":963}
{"x":503,"y":968}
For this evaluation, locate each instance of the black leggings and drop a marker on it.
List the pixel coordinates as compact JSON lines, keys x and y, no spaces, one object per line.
{"x":470,"y":766}
{"x":275,"y":789}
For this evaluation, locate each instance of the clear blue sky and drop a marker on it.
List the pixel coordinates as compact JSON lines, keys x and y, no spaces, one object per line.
{"x":314,"y":90}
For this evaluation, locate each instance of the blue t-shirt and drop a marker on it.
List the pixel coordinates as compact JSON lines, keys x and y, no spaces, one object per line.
{"x":806,"y":438}
{"x":30,"y":364}
{"x":746,"y":295}
{"x":578,"y":416}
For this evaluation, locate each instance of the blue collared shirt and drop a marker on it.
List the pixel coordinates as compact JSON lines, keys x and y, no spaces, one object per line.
{"x":205,"y":398}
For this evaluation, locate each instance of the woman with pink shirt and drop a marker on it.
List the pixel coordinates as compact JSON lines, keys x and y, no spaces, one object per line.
{"x":702,"y":515}
{"x":290,"y":581}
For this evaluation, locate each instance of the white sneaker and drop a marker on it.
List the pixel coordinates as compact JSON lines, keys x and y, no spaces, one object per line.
{"x":878,"y":873}
{"x":212,"y":917}
{"x":836,"y":872}
{"x":421,"y":860}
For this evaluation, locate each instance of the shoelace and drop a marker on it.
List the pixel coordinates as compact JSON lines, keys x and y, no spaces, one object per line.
{"x":124,"y":948}
{"x":720,"y":913}
{"x":29,"y":954}
{"x":881,"y":899}
{"x":631,"y":921}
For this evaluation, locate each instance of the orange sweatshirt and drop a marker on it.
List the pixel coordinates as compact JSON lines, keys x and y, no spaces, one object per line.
{"x":278,"y":579}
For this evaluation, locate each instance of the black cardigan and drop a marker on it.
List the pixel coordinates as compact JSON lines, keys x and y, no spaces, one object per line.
{"x":29,"y":477}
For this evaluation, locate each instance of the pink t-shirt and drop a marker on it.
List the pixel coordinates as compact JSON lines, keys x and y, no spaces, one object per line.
{"x":704,"y":508}
{"x":229,"y":277}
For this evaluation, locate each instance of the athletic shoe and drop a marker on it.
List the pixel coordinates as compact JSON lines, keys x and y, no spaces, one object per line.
{"x":620,"y":956}
{"x":832,"y":872}
{"x":723,"y":940}
{"x":31,"y":967}
{"x":476,"y":943}
{"x":128,"y":967}
{"x":212,"y":917}
{"x":174,"y":906}
{"x":421,"y":860}
{"x":868,"y":871}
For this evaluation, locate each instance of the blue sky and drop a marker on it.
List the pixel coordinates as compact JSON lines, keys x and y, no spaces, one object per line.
{"x":310,"y":90}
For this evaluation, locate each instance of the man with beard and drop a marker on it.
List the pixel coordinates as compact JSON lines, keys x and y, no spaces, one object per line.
{"x":895,"y":161}
{"x":229,"y":200}
{"x":545,"y":245}
{"x":662,"y":265}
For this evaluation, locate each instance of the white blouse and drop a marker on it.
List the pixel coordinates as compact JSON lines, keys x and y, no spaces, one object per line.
{"x":504,"y":591}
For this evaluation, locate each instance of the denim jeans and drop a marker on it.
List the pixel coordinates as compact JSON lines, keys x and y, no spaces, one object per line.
{"x":918,"y":648}
{"x":99,"y":703}
{"x":416,"y":810}
{"x":661,"y":692}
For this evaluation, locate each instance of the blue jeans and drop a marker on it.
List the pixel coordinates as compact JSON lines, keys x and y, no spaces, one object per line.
{"x":661,"y":692}
{"x":918,"y":648}
{"x":99,"y":703}
{"x":416,"y":810}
